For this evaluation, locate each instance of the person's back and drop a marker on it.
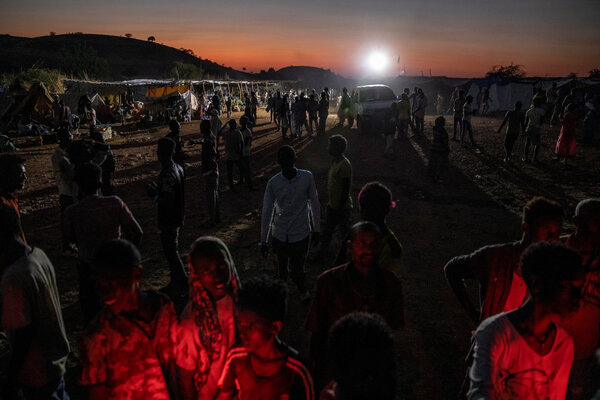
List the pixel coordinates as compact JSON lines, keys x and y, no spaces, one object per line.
{"x":247,"y":141}
{"x":233,"y":144}
{"x":30,"y":298}
{"x":403,"y":110}
{"x":514,"y":122}
{"x":323,"y":107}
{"x":440,"y":140}
{"x":171,"y":180}
{"x":458,"y":106}
{"x":96,"y":219}
{"x":535,"y":117}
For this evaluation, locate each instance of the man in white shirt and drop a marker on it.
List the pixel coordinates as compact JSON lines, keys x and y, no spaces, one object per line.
{"x":290,"y":203}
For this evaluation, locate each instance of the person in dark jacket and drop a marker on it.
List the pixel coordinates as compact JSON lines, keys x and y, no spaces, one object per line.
{"x":169,"y":198}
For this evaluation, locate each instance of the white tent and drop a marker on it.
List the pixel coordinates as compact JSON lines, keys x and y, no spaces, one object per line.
{"x":97,"y":101}
{"x":503,"y":97}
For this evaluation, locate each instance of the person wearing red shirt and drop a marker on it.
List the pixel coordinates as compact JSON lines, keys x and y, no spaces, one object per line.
{"x":127,"y":349}
{"x":525,"y":353}
{"x":584,"y":325}
{"x":263,"y":368}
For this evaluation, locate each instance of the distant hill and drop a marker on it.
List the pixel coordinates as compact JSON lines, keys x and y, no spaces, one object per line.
{"x":308,"y":76}
{"x":127,"y":58}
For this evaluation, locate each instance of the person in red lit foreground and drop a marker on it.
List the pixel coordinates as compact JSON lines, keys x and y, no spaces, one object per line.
{"x":127,"y":349}
{"x":524,"y":353}
{"x":584,"y":325}
{"x":207,"y":327}
{"x":496,"y":267}
{"x":263,"y":368}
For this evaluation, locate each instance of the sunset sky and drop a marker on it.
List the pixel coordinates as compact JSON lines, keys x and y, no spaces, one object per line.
{"x":452,"y":38}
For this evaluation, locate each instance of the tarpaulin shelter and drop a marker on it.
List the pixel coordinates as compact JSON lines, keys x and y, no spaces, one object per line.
{"x":155,"y":92}
{"x":38,"y":103}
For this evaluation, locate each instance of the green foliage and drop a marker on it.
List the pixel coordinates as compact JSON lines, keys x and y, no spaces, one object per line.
{"x":82,"y":61}
{"x":180,"y":70}
{"x":52,"y":79}
{"x":506,"y":72}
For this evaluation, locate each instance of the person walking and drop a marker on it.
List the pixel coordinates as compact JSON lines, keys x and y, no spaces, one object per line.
{"x":290,"y":204}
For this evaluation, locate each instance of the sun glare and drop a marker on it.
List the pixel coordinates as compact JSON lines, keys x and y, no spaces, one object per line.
{"x":377,"y":61}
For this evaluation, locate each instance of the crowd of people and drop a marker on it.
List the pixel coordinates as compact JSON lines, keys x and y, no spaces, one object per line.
{"x":539,"y":318}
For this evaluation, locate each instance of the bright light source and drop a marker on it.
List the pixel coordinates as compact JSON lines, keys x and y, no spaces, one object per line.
{"x":377,"y":61}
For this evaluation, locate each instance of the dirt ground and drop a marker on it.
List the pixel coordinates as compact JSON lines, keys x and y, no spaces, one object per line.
{"x":478,"y":203}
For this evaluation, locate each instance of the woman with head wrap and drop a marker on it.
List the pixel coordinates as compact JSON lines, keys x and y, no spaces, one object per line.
{"x":207,"y":328}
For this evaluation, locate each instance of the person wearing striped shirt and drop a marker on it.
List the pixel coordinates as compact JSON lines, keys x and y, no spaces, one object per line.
{"x":263,"y":368}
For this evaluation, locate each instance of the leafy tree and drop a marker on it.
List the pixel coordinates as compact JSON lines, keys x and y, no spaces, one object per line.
{"x":51,"y":78}
{"x":506,"y":72}
{"x":179,"y":70}
{"x":52,"y":33}
{"x":595,"y":73}
{"x":271,"y":70}
{"x":572,"y":75}
{"x":243,"y":68}
{"x":188,"y":51}
{"x":82,"y":61}
{"x":128,"y":35}
{"x":151,"y":39}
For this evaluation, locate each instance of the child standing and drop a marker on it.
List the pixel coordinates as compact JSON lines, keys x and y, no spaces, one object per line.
{"x":566,"y":144}
{"x":127,"y":350}
{"x":265,"y":367}
{"x":438,"y":156}
{"x":207,"y":327}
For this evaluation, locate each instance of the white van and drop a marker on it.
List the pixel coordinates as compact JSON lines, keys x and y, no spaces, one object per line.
{"x":374,"y":106}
